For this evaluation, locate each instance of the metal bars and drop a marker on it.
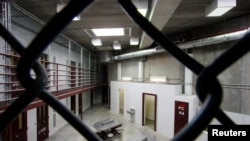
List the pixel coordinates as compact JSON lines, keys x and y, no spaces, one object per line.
{"x":36,"y":87}
{"x":208,"y":88}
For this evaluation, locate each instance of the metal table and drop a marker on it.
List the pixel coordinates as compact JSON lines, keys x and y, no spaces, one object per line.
{"x":107,"y":128}
{"x":107,"y":124}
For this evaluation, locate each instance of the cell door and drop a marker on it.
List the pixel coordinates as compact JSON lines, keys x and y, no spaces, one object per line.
{"x":181,"y":115}
{"x":42,"y":123}
{"x":17,"y":130}
{"x":80,"y":105}
{"x":73,"y":74}
{"x":73,"y":103}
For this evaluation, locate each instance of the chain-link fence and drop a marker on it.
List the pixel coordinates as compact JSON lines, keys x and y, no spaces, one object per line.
{"x":208,"y":87}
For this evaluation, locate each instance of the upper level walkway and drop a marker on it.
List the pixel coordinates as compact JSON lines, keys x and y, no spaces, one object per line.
{"x":63,"y":81}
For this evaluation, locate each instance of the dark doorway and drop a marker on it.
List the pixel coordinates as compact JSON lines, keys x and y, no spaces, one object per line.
{"x":80,"y":105}
{"x":73,"y":104}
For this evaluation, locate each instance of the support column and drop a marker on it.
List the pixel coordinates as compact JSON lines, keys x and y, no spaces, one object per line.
{"x":81,"y":58}
{"x":69,"y":50}
{"x":140,"y":70}
{"x":188,"y":80}
{"x":119,"y":71}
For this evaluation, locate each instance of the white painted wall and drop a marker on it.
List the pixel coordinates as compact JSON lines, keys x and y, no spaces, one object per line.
{"x":133,"y":99}
{"x":140,"y":70}
{"x":86,"y":100}
{"x":188,"y":80}
{"x":32,"y":125}
{"x":60,"y":122}
{"x":166,"y":96}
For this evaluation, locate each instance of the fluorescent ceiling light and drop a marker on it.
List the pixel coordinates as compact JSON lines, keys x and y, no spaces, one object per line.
{"x":116,"y":45}
{"x":134,"y":41}
{"x":109,"y":32}
{"x":127,"y":78}
{"x":96,"y":41}
{"x":77,"y":18}
{"x":158,"y":79}
{"x":219,"y":7}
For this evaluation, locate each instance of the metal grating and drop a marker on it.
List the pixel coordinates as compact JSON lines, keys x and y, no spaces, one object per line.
{"x":208,"y":88}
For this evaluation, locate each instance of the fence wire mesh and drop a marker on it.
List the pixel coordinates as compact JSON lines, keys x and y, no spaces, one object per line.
{"x":208,"y":88}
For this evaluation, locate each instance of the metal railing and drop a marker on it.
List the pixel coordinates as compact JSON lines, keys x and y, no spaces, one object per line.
{"x":61,"y":77}
{"x":208,"y":87}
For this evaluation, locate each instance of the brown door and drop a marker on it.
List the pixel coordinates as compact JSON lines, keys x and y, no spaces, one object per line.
{"x":42,"y":123}
{"x":80,"y":74}
{"x":73,"y":103}
{"x":17,"y":130}
{"x":73,"y":74}
{"x":80,"y":105}
{"x":181,"y":115}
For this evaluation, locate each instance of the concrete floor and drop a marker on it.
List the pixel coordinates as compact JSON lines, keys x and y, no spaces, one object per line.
{"x":131,"y":131}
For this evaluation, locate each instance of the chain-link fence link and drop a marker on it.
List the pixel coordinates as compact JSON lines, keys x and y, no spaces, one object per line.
{"x":208,"y":87}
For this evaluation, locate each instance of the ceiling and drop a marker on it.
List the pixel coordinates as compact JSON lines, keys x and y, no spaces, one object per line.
{"x":169,"y":16}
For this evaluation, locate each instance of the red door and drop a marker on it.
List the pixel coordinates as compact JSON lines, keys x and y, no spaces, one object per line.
{"x":42,"y":123}
{"x":181,"y":115}
{"x":17,"y":130}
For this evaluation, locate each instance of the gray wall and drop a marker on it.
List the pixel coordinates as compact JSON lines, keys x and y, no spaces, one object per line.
{"x":112,"y":71}
{"x":163,"y":64}
{"x":235,"y":80}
